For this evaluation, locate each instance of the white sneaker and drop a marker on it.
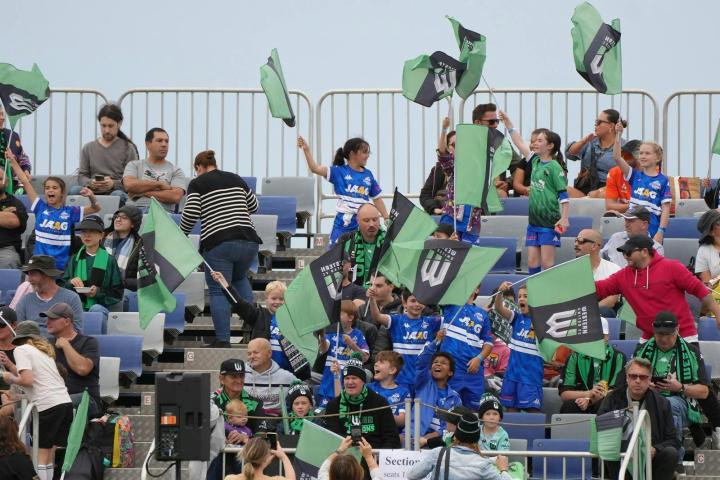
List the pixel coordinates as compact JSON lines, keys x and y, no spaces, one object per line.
{"x":716,"y":438}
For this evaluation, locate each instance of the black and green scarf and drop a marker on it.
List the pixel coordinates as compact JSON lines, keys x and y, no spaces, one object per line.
{"x":362,"y":258}
{"x":296,"y":423}
{"x":97,"y":274}
{"x":345,"y":415}
{"x":684,"y":365}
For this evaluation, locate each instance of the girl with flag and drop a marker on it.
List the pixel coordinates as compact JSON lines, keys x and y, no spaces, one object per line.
{"x":10,"y":140}
{"x":352,"y":181}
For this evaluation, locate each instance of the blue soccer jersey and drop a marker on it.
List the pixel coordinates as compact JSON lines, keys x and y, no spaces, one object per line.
{"x":468,"y":329}
{"x":277,"y":352}
{"x":53,"y":230}
{"x":393,"y":396}
{"x":342,"y":352}
{"x":526,"y":364}
{"x":649,"y":192}
{"x":354,"y":188}
{"x":447,"y":398}
{"x":408,"y":338}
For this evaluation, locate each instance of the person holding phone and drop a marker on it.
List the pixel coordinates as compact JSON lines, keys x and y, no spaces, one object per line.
{"x":339,"y":466}
{"x":257,"y":455}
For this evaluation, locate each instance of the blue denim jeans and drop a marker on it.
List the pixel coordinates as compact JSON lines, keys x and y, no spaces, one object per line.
{"x":233,"y":259}
{"x":680,"y":420}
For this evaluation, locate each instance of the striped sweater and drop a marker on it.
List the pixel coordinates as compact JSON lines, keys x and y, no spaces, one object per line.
{"x":223,"y":202}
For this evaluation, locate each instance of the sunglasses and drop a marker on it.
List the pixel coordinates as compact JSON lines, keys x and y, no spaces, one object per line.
{"x":638,"y":376}
{"x":122,"y":217}
{"x":600,"y":122}
{"x":493,"y":121}
{"x":583,"y":241}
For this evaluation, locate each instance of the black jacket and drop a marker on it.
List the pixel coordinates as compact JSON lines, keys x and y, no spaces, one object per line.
{"x":11,"y":237}
{"x":256,"y":316}
{"x":379,"y":427}
{"x":711,"y":195}
{"x":435,"y":182}
{"x":661,"y":420}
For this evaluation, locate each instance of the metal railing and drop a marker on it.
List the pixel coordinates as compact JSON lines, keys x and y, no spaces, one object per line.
{"x":30,"y":412}
{"x":642,"y":427}
{"x":690,"y":114}
{"x":236,"y":123}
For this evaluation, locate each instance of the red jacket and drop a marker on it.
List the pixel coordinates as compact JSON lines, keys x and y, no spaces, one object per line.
{"x":659,"y":286}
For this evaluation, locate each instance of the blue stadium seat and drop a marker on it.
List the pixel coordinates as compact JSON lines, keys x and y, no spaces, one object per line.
{"x":577,"y":224}
{"x":251,"y":182}
{"x":614,"y":325}
{"x":177,"y":217}
{"x":493,"y":280}
{"x":284,"y":208}
{"x":707,"y":329}
{"x":627,"y":347}
{"x":126,"y":347}
{"x":553,"y":469}
{"x":9,"y":282}
{"x":551,"y":401}
{"x":508,"y":261}
{"x":175,"y":320}
{"x":93,"y":324}
{"x":515,"y":206}
{"x":25,"y":200}
{"x":535,"y":431}
{"x":682,"y":228}
{"x":681,"y":249}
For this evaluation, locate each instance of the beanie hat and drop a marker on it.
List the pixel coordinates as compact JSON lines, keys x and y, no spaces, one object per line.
{"x":490,"y":403}
{"x":354,"y":367}
{"x":133,"y":213}
{"x":299,"y":390}
{"x":468,"y":429}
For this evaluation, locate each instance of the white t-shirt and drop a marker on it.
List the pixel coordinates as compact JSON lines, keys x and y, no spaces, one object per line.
{"x":48,"y":389}
{"x":707,"y":259}
{"x":604,"y":270}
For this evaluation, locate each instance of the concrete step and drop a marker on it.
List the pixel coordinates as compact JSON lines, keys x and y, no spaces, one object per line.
{"x":283,"y":275}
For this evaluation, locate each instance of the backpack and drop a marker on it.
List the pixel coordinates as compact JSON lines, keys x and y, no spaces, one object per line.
{"x":117,"y":441}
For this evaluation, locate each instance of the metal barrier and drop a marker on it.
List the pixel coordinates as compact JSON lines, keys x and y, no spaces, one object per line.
{"x":30,"y":411}
{"x":632,"y":454}
{"x":402,"y":137}
{"x":229,"y":121}
{"x":690,"y":114}
{"x":56,"y":132}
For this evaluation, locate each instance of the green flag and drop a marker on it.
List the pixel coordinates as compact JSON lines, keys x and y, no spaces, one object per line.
{"x":596,"y":49}
{"x":275,"y":88}
{"x":472,"y":47}
{"x":606,"y":435}
{"x":77,"y":431}
{"x":312,"y":302}
{"x":22,"y":92}
{"x":626,"y":313}
{"x":716,"y":143}
{"x":438,"y":272}
{"x":564,"y":309}
{"x":481,"y":154}
{"x":429,"y":78}
{"x":167,"y":258}
{"x":314,"y":446}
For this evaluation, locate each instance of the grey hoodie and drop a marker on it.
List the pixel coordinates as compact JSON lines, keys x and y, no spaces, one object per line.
{"x":265,"y":386}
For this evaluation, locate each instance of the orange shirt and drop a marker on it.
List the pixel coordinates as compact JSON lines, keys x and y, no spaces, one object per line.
{"x":616,"y":186}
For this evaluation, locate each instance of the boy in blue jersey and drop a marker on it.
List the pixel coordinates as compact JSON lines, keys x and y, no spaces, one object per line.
{"x":408,"y":331}
{"x":341,"y":349}
{"x":387,"y":366}
{"x":522,"y":385}
{"x":468,"y":339}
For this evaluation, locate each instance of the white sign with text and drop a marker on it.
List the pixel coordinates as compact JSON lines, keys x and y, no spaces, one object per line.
{"x":394,"y":464}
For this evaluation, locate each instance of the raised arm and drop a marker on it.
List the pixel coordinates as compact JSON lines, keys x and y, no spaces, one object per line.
{"x":515,"y":136}
{"x":500,"y":307}
{"x":617,"y":150}
{"x":22,"y":176}
{"x":442,"y":139}
{"x":381,"y":318}
{"x":321,"y":170}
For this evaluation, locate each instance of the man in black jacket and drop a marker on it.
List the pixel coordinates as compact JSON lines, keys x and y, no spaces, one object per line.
{"x":665,"y":444}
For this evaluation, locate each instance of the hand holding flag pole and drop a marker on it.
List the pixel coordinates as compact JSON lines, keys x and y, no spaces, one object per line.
{"x":223,"y":286}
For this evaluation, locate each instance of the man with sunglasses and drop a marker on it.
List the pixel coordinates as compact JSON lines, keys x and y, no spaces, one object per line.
{"x":637,"y":222}
{"x":651,"y":283}
{"x":588,"y":242}
{"x":664,"y":442}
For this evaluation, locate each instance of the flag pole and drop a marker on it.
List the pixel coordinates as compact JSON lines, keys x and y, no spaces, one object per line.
{"x":8,"y":324}
{"x":492,"y":92}
{"x":454,"y":208}
{"x":223,"y":286}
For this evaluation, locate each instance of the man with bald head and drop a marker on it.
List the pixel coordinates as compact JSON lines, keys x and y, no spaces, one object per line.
{"x":364,"y":244}
{"x":589,"y":242}
{"x":264,"y":377}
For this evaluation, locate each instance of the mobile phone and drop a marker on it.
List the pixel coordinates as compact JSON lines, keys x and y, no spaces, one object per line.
{"x":656,"y":379}
{"x":99,"y":178}
{"x":355,"y":434}
{"x":270,"y":437}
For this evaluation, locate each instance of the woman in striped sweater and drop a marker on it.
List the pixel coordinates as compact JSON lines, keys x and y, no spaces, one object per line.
{"x":223,"y":202}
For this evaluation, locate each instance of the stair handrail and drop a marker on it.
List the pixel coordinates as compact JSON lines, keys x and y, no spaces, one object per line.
{"x":30,"y":410}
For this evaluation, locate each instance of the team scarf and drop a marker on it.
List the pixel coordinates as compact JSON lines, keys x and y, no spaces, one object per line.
{"x":684,"y":364}
{"x":122,"y":250}
{"x":346,"y":400}
{"x":362,"y":257}
{"x":296,"y":423}
{"x":589,"y":372}
{"x":97,"y":275}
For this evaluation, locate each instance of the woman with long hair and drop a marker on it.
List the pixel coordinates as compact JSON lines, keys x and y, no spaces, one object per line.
{"x":339,"y":466}
{"x":15,"y":464}
{"x":256,"y":456}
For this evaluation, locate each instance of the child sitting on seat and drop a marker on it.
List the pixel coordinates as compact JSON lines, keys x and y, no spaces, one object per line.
{"x":492,"y":435}
{"x":236,"y":420}
{"x":300,"y":401}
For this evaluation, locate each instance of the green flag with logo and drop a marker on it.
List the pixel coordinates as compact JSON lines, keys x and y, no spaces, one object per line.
{"x":314,"y":446}
{"x":606,"y":432}
{"x":481,"y":154}
{"x":716,"y":143}
{"x":438,"y":272}
{"x":596,"y":49}
{"x":167,"y":257}
{"x":564,"y":309}
{"x":429,"y":78}
{"x":275,"y":88}
{"x":21,"y":91}
{"x":472,"y":47}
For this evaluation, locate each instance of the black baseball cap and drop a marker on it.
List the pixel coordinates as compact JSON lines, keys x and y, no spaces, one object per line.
{"x":636,"y":242}
{"x":232,"y":366}
{"x":665,"y":322}
{"x":640,"y":213}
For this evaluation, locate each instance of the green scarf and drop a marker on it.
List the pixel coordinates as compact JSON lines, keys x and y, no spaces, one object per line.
{"x":591,"y":372}
{"x":362,"y":256}
{"x":97,"y":275}
{"x":686,"y":370}
{"x":296,"y":424}
{"x":344,"y":406}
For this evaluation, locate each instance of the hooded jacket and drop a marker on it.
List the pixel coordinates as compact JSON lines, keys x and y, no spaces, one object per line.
{"x":265,"y":386}
{"x":659,"y":286}
{"x":427,"y":390}
{"x":465,"y":464}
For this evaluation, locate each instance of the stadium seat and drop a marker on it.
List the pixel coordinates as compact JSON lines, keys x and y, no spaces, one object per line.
{"x":632,"y":332}
{"x":570,"y":425}
{"x":578,"y":223}
{"x":552,"y":468}
{"x":711,"y":353}
{"x":588,"y":207}
{"x":177,"y":217}
{"x":194,"y":289}
{"x":77,"y":201}
{"x":107,"y":219}
{"x":566,"y":251}
{"x":302,"y":188}
{"x":175,"y":320}
{"x":529,"y":426}
{"x":493,"y":280}
{"x":109,"y":378}
{"x":514,"y":226}
{"x":128,"y":323}
{"x":128,"y":348}
{"x":108,"y":203}
{"x":708,"y":330}
{"x":282,"y":206}
{"x":627,"y":347}
{"x":266,"y":228}
{"x":10,"y":279}
{"x":610,"y":225}
{"x":92,"y":323}
{"x":515,"y":206}
{"x":682,"y":228}
{"x":551,"y":401}
{"x":508,"y":261}
{"x":690,"y":207}
{"x":518,"y":445}
{"x":29,"y":229}
{"x":680,"y":249}
{"x":614,"y":325}
{"x":251,"y":182}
